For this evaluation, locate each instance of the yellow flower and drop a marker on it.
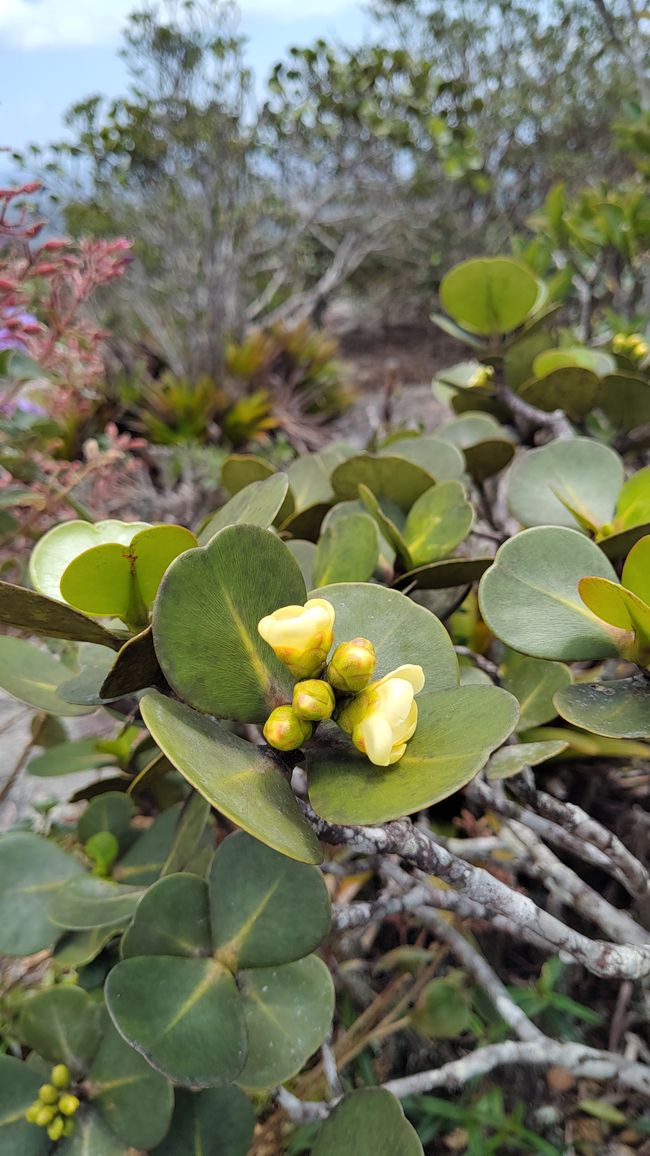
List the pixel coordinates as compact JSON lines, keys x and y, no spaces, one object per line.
{"x":313,"y":700}
{"x":301,"y":636}
{"x":352,"y":666}
{"x":284,"y":730}
{"x":383,"y":718}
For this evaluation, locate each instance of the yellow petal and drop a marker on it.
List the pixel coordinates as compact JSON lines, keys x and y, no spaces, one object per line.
{"x":376,"y":736}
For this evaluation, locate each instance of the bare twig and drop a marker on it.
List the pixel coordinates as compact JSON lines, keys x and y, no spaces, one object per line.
{"x":556,"y":422}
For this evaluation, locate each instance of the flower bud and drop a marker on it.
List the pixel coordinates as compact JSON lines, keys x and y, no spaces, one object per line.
{"x":68,"y":1104}
{"x":45,"y":1115}
{"x":60,"y":1075}
{"x":352,"y":666}
{"x":68,"y":1127}
{"x":313,"y":700}
{"x":481,"y":376}
{"x":284,"y":730}
{"x":48,"y":1094}
{"x":301,"y":636}
{"x":31,"y":1115}
{"x":383,"y":718}
{"x":55,"y":1130}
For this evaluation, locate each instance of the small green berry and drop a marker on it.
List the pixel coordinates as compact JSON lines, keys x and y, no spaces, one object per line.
{"x":32,"y":1112}
{"x":68,"y":1127}
{"x":55,"y":1130}
{"x":48,"y":1094}
{"x":68,"y":1104}
{"x":45,"y":1115}
{"x":60,"y":1075}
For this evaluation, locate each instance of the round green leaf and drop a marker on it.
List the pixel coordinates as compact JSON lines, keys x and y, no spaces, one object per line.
{"x":529,"y":597}
{"x":266,"y":909}
{"x":368,"y":1123}
{"x":27,"y":610}
{"x":31,"y":871}
{"x":288,"y":1011}
{"x":574,"y":355}
{"x":444,"y":1010}
{"x":509,"y":761}
{"x":18,"y":1089}
{"x":625,"y":399}
{"x":549,"y":486}
{"x":35,"y":677}
{"x":309,"y":479}
{"x":636,"y":571}
{"x":258,"y":504}
{"x":616,"y":605}
{"x":439,"y":458}
{"x":84,"y":687}
{"x":80,"y":947}
{"x":54,"y":552}
{"x":91,"y":1136}
{"x":437,"y":523}
{"x":205,"y":623}
{"x":533,"y":681}
{"x":172,"y":918}
{"x":240,"y":470}
{"x":618,"y":709}
{"x":400,"y":631}
{"x":216,"y":1122}
{"x":485,"y":445}
{"x":239,"y":779}
{"x":135,"y":667}
{"x":88,"y":902}
{"x":570,"y":388}
{"x":489,"y":295}
{"x":183,"y":1015}
{"x":62,"y":1024}
{"x":347,"y":551}
{"x":134,"y":1100}
{"x":444,"y":575}
{"x":147,"y":856}
{"x":389,"y":527}
{"x":457,"y":730}
{"x":69,"y":758}
{"x":112,"y":812}
{"x":386,"y":476}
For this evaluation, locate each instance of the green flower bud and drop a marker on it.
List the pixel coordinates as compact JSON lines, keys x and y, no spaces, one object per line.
{"x":284,"y":730}
{"x":352,"y":666}
{"x":48,"y":1094}
{"x":68,"y":1104}
{"x":31,"y":1115}
{"x":45,"y":1115}
{"x":55,"y":1130}
{"x":313,"y":700}
{"x":60,"y":1075}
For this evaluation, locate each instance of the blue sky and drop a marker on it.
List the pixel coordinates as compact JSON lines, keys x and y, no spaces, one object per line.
{"x":55,"y":52}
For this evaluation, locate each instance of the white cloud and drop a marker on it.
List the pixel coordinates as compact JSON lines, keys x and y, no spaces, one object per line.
{"x":33,"y":24}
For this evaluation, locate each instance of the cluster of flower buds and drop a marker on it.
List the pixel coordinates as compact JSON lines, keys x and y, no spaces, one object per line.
{"x":56,"y":1105}
{"x":632,"y":345}
{"x":379,"y":716}
{"x":482,"y":376}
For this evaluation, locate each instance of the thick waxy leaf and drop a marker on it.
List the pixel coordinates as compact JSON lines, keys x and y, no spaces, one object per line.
{"x":444,"y":1009}
{"x":533,"y":681}
{"x":240,"y":470}
{"x":31,"y":872}
{"x":489,"y":295}
{"x":87,"y":902}
{"x":80,"y":947}
{"x":134,"y":1100}
{"x":205,"y":623}
{"x":28,"y":610}
{"x":216,"y":1122}
{"x":485,"y":444}
{"x":387,"y":476}
{"x":529,"y":596}
{"x":636,"y":571}
{"x":54,"y":552}
{"x":571,"y":389}
{"x":389,"y":527}
{"x":400,"y":631}
{"x":112,"y":812}
{"x":172,"y":918}
{"x":147,"y":856}
{"x":35,"y":677}
{"x":18,"y":1089}
{"x":443,"y":575}
{"x":439,"y":458}
{"x":256,"y":505}
{"x":617,"y":606}
{"x":593,"y":746}
{"x":457,"y":730}
{"x":551,"y":359}
{"x":511,"y":760}
{"x":309,"y":478}
{"x":265,"y":909}
{"x":183,"y":1015}
{"x":237,"y":778}
{"x":579,"y":475}
{"x":306,"y":523}
{"x":288,"y":1011}
{"x":625,"y":399}
{"x":92,"y":1137}
{"x":437,"y":522}
{"x":368,"y":1123}
{"x":84,"y":687}
{"x":135,"y":667}
{"x":188,"y":835}
{"x":347,"y":551}
{"x":62,"y":1024}
{"x":69,"y":758}
{"x":619,"y":709}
